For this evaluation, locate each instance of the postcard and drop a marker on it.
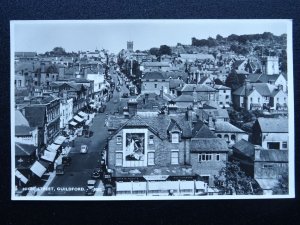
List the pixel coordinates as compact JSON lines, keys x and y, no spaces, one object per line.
{"x":152,"y":109}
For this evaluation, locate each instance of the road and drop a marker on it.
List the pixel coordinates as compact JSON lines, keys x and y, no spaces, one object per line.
{"x":81,"y":168}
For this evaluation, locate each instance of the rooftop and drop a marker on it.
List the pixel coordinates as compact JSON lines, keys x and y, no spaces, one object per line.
{"x":199,"y":145}
{"x":277,"y":125}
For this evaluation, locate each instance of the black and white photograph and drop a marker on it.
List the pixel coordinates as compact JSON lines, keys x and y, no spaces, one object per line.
{"x":152,"y":109}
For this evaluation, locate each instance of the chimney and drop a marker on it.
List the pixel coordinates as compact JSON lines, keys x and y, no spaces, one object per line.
{"x":211,"y":123}
{"x":257,"y":149}
{"x":161,"y":92}
{"x":172,"y":108}
{"x":132,"y":107}
{"x":252,"y":87}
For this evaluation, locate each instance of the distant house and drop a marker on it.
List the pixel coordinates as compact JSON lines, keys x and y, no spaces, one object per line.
{"x":200,"y":92}
{"x":229,"y":132}
{"x":155,"y":82}
{"x":223,"y":95}
{"x":155,"y":66}
{"x":259,"y":96}
{"x":206,"y":80}
{"x":194,"y":57}
{"x":242,"y":65}
{"x":278,"y":80}
{"x":271,"y":133}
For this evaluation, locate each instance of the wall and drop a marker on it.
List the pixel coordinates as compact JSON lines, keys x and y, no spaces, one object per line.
{"x":149,"y":87}
{"x":269,"y":173}
{"x":274,"y":137}
{"x":222,"y":97}
{"x":208,"y":168}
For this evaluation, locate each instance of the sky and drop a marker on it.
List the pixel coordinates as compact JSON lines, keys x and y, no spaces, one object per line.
{"x":88,"y":35}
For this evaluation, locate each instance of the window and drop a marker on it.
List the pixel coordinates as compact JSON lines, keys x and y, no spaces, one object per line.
{"x":217,"y":157}
{"x":224,"y":91}
{"x":273,"y":145}
{"x":221,"y":103}
{"x":119,"y":140}
{"x":151,"y":158}
{"x":47,"y":75}
{"x":174,"y":158}
{"x":175,"y":137}
{"x":227,"y":96}
{"x":258,"y":100}
{"x":19,"y":83}
{"x":251,"y":99}
{"x":204,"y":157}
{"x":119,"y":159}
{"x":151,"y":138}
{"x":266,"y":98}
{"x":155,"y":85}
{"x":277,"y":99}
{"x":284,"y":144}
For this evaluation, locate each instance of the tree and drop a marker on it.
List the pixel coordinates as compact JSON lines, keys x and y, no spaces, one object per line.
{"x":282,"y":188}
{"x":154,"y":51}
{"x":232,"y":180}
{"x":219,"y":37}
{"x":58,"y":51}
{"x":234,"y":81}
{"x":164,"y":50}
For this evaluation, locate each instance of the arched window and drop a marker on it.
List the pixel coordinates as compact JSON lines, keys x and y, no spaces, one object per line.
{"x":219,"y":136}
{"x":233,"y":137}
{"x":226,"y":137}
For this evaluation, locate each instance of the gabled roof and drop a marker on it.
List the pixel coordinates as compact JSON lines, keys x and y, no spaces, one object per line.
{"x":203,"y":79}
{"x":198,"y":88}
{"x":136,"y":121}
{"x":221,"y":87}
{"x":222,"y":126}
{"x":262,"y":88}
{"x":173,"y":125}
{"x":153,"y":75}
{"x":272,"y":156}
{"x":174,"y":83}
{"x":20,"y":119}
{"x":276,"y":125}
{"x":237,"y":63}
{"x":184,"y":98}
{"x":204,"y":132}
{"x":36,"y":115}
{"x":199,"y":145}
{"x":244,"y":147}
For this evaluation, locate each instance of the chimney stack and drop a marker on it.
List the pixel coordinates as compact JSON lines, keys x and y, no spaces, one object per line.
{"x":132,"y":107}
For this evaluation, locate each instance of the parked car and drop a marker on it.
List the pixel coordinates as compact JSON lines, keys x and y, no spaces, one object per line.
{"x":66,"y":160}
{"x":90,"y":188}
{"x":84,"y":149}
{"x":60,"y":170}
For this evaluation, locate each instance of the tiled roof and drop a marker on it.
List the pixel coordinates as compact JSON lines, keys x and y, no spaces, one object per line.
{"x":237,"y":63}
{"x":23,"y":149}
{"x":136,"y":121}
{"x":184,"y":98}
{"x":36,"y":115}
{"x":262,"y":88}
{"x":272,"y":156}
{"x":153,"y":75}
{"x":22,"y":130}
{"x":20,"y":119}
{"x":174,"y":83}
{"x":212,"y":104}
{"x":222,"y":126}
{"x":199,"y":88}
{"x":199,"y":145}
{"x":244,"y":147}
{"x":273,"y":125}
{"x":221,"y":87}
{"x":203,"y":79}
{"x":204,"y":132}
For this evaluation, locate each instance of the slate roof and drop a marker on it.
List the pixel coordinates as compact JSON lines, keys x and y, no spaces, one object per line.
{"x":204,"y":132}
{"x":22,"y":130}
{"x":273,"y":125}
{"x":272,"y":156}
{"x":199,"y":145}
{"x":221,"y":87}
{"x":244,"y":147}
{"x":237,"y":63}
{"x":262,"y":88}
{"x":184,"y":98}
{"x":20,"y":119}
{"x":200,"y":56}
{"x":23,"y":149}
{"x":203,"y":79}
{"x":223,"y":127}
{"x":262,"y":78}
{"x":174,"y":83}
{"x":153,"y":75}
{"x":36,"y":115}
{"x":212,"y":104}
{"x":199,"y":88}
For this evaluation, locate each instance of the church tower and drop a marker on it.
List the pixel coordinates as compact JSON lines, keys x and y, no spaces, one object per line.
{"x":130,"y":46}
{"x":270,"y":65}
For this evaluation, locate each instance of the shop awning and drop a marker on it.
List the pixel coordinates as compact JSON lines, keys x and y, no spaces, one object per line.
{"x":77,"y":118}
{"x":155,"y":186}
{"x":186,"y":185}
{"x":53,"y":147}
{"x":174,"y":185}
{"x":58,"y":161}
{"x":48,"y":156}
{"x":139,"y":186}
{"x":200,"y":185}
{"x":21,"y":177}
{"x":38,"y":169}
{"x":82,"y":114}
{"x":73,"y":123}
{"x":59,"y":140}
{"x":123,"y":186}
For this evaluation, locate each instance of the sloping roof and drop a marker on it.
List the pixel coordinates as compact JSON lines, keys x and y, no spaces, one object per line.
{"x":262,"y":88}
{"x":22,"y":130}
{"x":153,"y":75}
{"x":155,"y":64}
{"x":198,"y":88}
{"x":222,"y":126}
{"x":23,"y":149}
{"x":277,"y":125}
{"x":174,"y":83}
{"x":20,"y":119}
{"x":203,"y":79}
{"x":204,"y":132}
{"x":237,"y":63}
{"x":136,"y":121}
{"x":221,"y":87}
{"x":184,"y":98}
{"x":272,"y":156}
{"x":208,"y":145}
{"x":36,"y":115}
{"x":200,"y":56}
{"x":212,"y":104}
{"x":244,"y":147}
